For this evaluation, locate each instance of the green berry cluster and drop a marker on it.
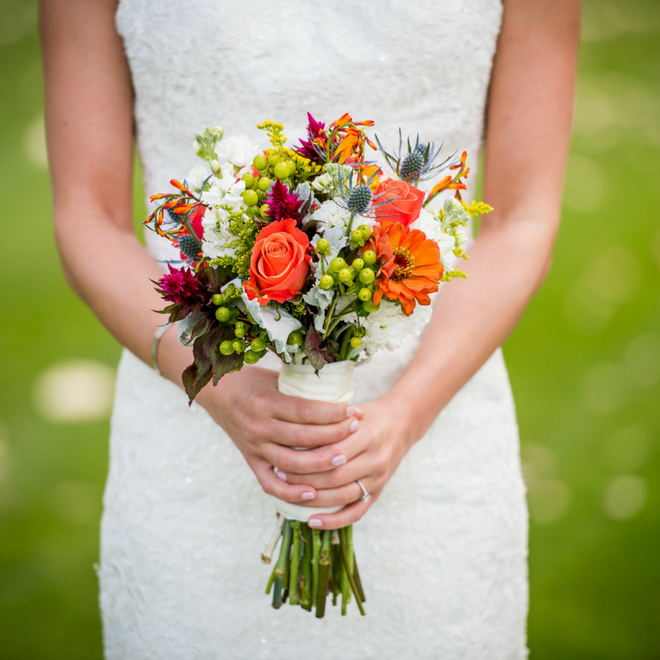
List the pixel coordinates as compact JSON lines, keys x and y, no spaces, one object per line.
{"x":250,"y":340}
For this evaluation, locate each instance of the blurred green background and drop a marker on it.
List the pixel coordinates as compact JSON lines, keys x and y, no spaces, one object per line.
{"x":584,"y":364}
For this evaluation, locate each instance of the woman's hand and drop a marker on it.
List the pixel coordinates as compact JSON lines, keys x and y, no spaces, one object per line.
{"x":383,"y":439}
{"x":265,"y":424}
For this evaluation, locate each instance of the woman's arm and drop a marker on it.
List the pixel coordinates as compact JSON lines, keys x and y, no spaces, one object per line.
{"x":527,"y":139}
{"x":89,"y":121}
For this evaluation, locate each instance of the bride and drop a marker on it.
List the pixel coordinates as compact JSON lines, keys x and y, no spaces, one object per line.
{"x":432,"y":436}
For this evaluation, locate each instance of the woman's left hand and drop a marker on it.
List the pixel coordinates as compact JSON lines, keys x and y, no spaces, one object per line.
{"x":383,"y":439}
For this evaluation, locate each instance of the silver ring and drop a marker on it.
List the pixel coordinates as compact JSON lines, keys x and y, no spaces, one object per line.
{"x":365,"y":495}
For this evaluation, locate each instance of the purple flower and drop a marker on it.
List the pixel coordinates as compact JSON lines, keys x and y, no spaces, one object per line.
{"x":310,"y":148}
{"x":180,"y":286}
{"x":283,"y":204}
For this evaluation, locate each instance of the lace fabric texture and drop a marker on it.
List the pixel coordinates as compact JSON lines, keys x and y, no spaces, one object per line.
{"x":443,"y":551}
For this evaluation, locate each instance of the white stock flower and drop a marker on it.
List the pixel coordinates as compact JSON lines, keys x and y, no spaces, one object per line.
{"x":217,"y":235}
{"x":196,"y":177}
{"x":447,"y":245}
{"x":388,"y":326}
{"x":460,"y":236}
{"x":429,"y":224}
{"x":238,"y":150}
{"x":330,"y":216}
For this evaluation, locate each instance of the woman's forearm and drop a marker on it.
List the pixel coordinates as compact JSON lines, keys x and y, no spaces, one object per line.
{"x":111,"y":271}
{"x":472,"y":317}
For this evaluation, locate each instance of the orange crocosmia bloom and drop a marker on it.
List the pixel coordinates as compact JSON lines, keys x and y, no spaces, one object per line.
{"x":411,"y":267}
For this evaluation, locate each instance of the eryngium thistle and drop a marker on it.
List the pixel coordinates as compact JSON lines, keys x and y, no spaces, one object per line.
{"x":359,"y":199}
{"x":189,"y":245}
{"x":411,"y":166}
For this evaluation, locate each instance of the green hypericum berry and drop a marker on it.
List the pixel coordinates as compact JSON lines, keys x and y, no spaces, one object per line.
{"x":322,"y":245}
{"x":281,"y":170}
{"x":218,"y":299}
{"x":337,"y":264}
{"x":365,"y":231}
{"x":356,"y":237}
{"x":369,"y":257}
{"x":249,"y":179}
{"x":238,"y":346}
{"x":264,"y":183}
{"x":251,"y":357}
{"x":260,"y":162}
{"x":226,"y":348}
{"x":356,"y":342}
{"x":295,"y":338}
{"x":292,"y":167}
{"x":264,"y":211}
{"x":369,"y":307}
{"x":258,"y":345}
{"x":273,"y":160}
{"x":239,"y":330}
{"x":222,"y":314}
{"x":367,"y":276}
{"x":250,"y":198}
{"x":344,"y":275}
{"x":364,"y":294}
{"x":326,"y":282}
{"x":358,"y":264}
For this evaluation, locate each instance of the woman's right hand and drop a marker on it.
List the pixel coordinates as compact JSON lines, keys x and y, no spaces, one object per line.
{"x":265,"y":425}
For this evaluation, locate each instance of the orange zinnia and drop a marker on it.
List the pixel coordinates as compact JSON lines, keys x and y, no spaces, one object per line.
{"x":411,"y":267}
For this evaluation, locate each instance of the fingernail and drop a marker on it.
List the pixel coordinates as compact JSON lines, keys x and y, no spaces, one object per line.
{"x":314,"y":522}
{"x":339,"y":459}
{"x":307,"y":495}
{"x":351,"y":410}
{"x":355,"y":425}
{"x":281,"y":475}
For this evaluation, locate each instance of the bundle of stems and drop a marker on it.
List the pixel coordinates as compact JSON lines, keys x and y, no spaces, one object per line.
{"x":312,"y":564}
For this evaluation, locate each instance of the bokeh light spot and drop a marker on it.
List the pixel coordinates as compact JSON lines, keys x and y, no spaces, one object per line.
{"x":625,"y":496}
{"x":75,"y":391}
{"x":34,"y":143}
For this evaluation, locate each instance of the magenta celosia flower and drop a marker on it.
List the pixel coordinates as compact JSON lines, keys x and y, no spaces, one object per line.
{"x":180,"y":285}
{"x":312,"y":148}
{"x":282,"y":203}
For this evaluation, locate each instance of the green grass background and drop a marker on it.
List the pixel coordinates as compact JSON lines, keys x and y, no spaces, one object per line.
{"x":584,"y":364}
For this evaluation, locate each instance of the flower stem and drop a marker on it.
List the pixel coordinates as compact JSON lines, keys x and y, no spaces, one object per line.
{"x":267,"y":554}
{"x":324,"y":574}
{"x":306,"y":581}
{"x":316,"y":554}
{"x":349,"y":573}
{"x":280,"y":567}
{"x":294,"y":596}
{"x":336,"y":566}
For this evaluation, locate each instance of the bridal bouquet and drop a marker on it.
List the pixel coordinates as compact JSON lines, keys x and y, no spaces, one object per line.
{"x":321,"y":256}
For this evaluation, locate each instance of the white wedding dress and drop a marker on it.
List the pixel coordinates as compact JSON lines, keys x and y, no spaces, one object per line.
{"x":443,"y":551}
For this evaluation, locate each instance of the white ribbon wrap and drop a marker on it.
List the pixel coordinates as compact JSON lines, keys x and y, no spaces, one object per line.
{"x":333,"y":384}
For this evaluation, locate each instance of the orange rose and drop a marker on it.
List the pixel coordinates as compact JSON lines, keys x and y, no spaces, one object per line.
{"x":280,"y":264}
{"x":403,"y":202}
